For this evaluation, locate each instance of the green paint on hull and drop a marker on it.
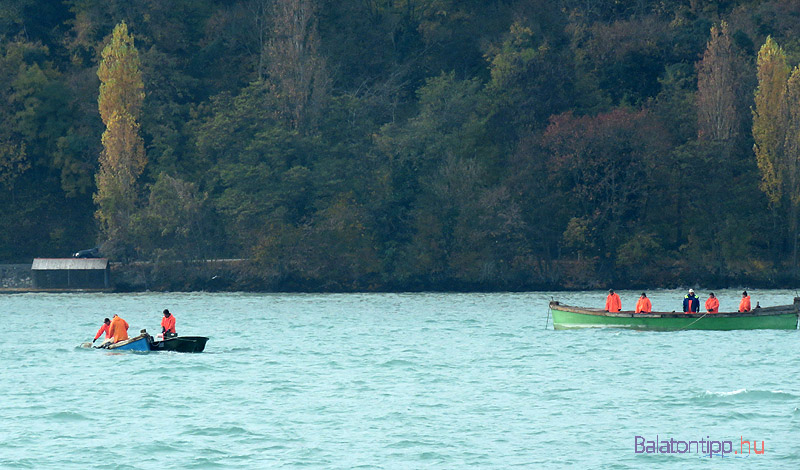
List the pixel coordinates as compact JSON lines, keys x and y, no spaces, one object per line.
{"x":563,"y":320}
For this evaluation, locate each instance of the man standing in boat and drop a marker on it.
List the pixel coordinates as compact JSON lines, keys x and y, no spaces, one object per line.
{"x":644,"y":305}
{"x":691,"y":304}
{"x":118,"y":329}
{"x":744,"y":305}
{"x":168,"y":324}
{"x":613,"y":302}
{"x":712,"y":304}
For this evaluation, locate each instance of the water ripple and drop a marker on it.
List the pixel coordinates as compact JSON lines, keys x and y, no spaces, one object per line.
{"x":382,"y":381}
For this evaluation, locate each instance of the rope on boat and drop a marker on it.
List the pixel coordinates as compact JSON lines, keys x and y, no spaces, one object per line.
{"x":548,"y":316}
{"x":692,"y":323}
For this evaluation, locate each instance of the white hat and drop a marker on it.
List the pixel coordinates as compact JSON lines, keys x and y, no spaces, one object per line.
{"x":691,"y":291}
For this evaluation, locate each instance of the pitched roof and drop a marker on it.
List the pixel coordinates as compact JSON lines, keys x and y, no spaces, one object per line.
{"x":51,"y":264}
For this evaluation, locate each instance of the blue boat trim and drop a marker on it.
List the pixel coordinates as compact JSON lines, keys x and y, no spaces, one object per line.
{"x":138,"y":343}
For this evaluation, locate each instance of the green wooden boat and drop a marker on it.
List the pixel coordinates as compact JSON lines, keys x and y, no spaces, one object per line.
{"x":783,"y":317}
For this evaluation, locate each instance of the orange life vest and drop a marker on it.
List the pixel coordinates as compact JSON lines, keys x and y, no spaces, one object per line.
{"x":613,"y":303}
{"x":168,"y":324}
{"x":118,"y":329}
{"x":744,"y":305}
{"x":644,"y":305}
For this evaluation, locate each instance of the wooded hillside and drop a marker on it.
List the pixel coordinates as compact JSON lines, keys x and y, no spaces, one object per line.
{"x":408,"y":144}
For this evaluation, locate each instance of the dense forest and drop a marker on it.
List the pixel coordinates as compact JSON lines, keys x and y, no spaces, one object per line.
{"x":407,"y":144}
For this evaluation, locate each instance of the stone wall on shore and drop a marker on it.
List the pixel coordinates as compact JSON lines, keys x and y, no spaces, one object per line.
{"x":16,"y":276}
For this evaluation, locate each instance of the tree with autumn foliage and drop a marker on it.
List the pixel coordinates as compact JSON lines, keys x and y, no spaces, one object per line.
{"x":296,"y":67}
{"x":776,"y":131}
{"x":769,"y":128}
{"x":122,"y":159}
{"x":605,"y":166}
{"x":791,"y":152}
{"x":437,"y":144}
{"x":716,"y":88}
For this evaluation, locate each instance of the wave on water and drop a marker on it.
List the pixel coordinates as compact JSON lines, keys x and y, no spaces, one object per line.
{"x":709,"y":393}
{"x":432,"y":456}
{"x":409,"y":443}
{"x":397,"y":363}
{"x":238,"y":349}
{"x":218,"y":431}
{"x":285,"y":389}
{"x":750,"y":394}
{"x":504,"y":335}
{"x":67,"y":416}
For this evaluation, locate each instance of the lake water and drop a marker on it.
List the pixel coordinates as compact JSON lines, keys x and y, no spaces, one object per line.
{"x":388,"y":381}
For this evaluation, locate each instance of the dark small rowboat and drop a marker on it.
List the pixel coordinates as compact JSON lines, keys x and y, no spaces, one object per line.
{"x":188,"y":344}
{"x":145,"y":342}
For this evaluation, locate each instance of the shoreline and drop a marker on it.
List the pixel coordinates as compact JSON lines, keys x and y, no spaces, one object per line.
{"x":241,"y":275}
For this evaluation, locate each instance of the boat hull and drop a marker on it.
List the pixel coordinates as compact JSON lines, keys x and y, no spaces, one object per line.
{"x":145,"y":342}
{"x":188,"y":344}
{"x":138,"y":343}
{"x":778,"y":318}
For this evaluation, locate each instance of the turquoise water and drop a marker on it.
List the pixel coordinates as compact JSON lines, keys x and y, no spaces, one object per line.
{"x":386,"y":381}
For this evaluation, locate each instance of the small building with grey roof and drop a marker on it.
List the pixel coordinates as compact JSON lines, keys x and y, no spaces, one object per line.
{"x":70,"y":273}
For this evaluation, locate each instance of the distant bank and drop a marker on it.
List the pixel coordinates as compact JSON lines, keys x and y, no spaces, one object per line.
{"x":241,"y":275}
{"x":78,"y":275}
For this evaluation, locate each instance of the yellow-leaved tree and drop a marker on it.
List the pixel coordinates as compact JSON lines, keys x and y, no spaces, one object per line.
{"x":123,"y":158}
{"x":769,"y":121}
{"x":776,"y":131}
{"x":791,"y":156}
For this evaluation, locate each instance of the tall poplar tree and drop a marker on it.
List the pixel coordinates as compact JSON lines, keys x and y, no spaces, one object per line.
{"x":296,"y":66}
{"x":776,"y":130}
{"x":791,"y":153}
{"x":716,"y":88}
{"x":769,"y":122}
{"x":122,"y":159}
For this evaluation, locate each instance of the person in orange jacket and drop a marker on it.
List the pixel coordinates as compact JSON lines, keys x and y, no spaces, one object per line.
{"x":118,"y":330}
{"x":712,"y":304}
{"x":644,"y":305}
{"x":744,"y":305}
{"x":168,"y":324}
{"x":613,"y":302}
{"x":103,"y":329}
